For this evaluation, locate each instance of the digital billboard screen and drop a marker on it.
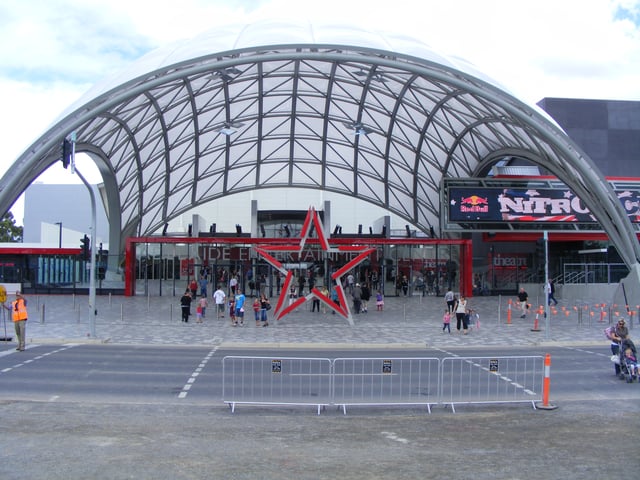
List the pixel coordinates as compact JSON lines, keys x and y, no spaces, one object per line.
{"x":539,"y":205}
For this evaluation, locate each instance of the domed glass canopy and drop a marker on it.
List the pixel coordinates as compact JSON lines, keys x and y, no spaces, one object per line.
{"x":380,"y":117}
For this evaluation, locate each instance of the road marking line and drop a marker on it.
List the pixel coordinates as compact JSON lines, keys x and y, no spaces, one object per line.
{"x":191,"y":380}
{"x":39,"y":357}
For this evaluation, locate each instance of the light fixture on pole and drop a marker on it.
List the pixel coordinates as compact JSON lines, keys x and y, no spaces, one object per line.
{"x":229,"y":128}
{"x":358,"y":128}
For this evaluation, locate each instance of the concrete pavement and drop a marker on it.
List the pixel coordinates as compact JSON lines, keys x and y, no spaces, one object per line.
{"x":413,"y":321}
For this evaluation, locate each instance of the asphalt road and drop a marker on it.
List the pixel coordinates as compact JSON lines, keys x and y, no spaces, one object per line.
{"x":116,"y":412}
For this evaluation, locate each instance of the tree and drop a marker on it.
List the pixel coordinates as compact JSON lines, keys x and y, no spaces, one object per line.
{"x":9,"y":231}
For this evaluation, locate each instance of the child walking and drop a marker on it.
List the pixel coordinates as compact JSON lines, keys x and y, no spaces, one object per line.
{"x":379,"y":301}
{"x":446,"y":321}
{"x":256,"y":310}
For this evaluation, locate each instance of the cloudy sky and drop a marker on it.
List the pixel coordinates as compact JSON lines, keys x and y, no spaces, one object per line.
{"x":52,"y":51}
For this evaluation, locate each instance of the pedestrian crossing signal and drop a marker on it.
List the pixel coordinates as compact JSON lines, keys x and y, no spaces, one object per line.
{"x":67,"y":152}
{"x":86,"y":248}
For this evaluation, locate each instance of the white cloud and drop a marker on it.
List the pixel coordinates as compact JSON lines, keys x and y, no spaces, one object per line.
{"x":53,"y":50}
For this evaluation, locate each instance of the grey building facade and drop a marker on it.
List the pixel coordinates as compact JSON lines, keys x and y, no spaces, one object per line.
{"x":607,"y":130}
{"x":69,"y":204}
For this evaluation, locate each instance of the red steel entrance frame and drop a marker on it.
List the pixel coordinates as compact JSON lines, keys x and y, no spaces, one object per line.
{"x":364,"y":245}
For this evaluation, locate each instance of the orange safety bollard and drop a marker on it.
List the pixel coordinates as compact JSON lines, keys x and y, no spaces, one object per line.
{"x":536,"y":327}
{"x":602,"y":315}
{"x":546,"y":385}
{"x":509,"y":313}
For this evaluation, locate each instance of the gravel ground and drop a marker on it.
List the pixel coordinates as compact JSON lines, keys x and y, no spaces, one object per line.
{"x":128,"y":441}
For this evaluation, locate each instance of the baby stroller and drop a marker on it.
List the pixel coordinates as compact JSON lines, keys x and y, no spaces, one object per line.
{"x":628,"y":363}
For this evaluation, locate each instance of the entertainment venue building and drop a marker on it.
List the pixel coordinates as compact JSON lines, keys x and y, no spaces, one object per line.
{"x":429,"y":141}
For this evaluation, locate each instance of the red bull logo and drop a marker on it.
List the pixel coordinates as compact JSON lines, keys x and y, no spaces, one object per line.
{"x":474,"y":204}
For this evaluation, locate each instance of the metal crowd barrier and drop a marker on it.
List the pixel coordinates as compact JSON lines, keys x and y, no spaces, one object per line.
{"x":381,"y":381}
{"x":276,"y":381}
{"x":491,"y":380}
{"x":385,"y":381}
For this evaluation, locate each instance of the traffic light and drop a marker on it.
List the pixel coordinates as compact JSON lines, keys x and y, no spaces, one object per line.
{"x":86,"y":248}
{"x":67,"y":152}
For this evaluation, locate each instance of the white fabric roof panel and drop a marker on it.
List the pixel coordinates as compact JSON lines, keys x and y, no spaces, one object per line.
{"x":272,"y":104}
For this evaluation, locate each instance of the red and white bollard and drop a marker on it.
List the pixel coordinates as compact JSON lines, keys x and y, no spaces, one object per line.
{"x":546,"y":384}
{"x":536,"y":323}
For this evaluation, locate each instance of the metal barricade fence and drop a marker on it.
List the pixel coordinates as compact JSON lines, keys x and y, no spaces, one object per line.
{"x":381,"y":381}
{"x":491,"y":380}
{"x":276,"y":380}
{"x":385,"y":381}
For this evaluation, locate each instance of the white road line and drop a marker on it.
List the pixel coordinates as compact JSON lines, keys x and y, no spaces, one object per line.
{"x":39,"y":357}
{"x":191,"y":380}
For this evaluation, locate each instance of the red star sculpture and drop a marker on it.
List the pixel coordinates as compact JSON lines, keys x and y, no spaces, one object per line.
{"x":342,"y":307}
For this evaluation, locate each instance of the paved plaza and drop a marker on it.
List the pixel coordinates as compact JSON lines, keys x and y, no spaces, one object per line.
{"x":406,"y":322}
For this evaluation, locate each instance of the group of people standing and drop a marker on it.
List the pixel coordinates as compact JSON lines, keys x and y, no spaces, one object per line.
{"x":458,"y":306}
{"x":235,"y":304}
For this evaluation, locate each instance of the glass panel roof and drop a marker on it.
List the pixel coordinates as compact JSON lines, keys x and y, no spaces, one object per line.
{"x":377,"y":116}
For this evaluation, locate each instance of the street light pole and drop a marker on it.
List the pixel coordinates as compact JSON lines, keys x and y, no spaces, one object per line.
{"x":92,"y":264}
{"x":59,"y":234}
{"x":93,"y":311}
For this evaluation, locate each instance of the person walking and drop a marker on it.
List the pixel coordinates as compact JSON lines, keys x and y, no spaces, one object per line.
{"x":450,"y":298}
{"x":315,"y":304}
{"x":446,"y":321}
{"x":357,"y":298}
{"x":19,"y":316}
{"x":350,"y":283}
{"x":523,"y":301}
{"x":265,"y":305}
{"x":219,"y":297}
{"x":185,"y":305}
{"x":240,"y":299}
{"x":461,"y":311}
{"x":292,"y":294}
{"x":256,"y":310}
{"x":233,"y":284}
{"x":301,"y":283}
{"x":550,"y":289}
{"x":404,"y":284}
{"x":203,"y":304}
{"x":335,"y":298}
{"x":203,"y":283}
{"x":193,"y":287}
{"x":379,"y":301}
{"x":617,"y":334}
{"x":325,"y":293}
{"x":232,"y":310}
{"x":366,"y":296}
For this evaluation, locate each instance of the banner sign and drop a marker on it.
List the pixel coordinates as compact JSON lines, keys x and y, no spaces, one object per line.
{"x":480,"y":204}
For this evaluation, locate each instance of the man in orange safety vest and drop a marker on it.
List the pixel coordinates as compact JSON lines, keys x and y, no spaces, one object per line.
{"x":19,"y":313}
